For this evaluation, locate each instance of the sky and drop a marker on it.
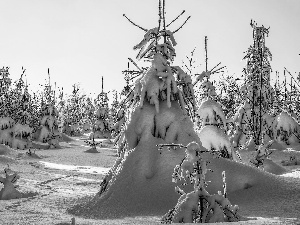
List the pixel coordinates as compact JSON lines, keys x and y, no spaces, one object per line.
{"x":82,"y":40}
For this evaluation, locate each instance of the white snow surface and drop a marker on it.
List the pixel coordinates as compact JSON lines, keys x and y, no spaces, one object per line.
{"x":79,"y":169}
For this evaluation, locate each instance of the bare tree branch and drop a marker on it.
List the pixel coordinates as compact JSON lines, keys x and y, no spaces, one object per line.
{"x":182,"y":25}
{"x":135,"y":24}
{"x":177,"y":18}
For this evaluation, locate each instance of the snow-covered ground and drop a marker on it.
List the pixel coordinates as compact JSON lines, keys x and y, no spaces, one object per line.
{"x":68,"y":176}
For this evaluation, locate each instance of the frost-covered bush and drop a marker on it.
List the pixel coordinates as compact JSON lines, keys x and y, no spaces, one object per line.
{"x":198,"y":206}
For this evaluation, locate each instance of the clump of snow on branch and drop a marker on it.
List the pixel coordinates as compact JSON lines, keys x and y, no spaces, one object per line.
{"x":215,"y":139}
{"x":158,"y":83}
{"x":211,"y":113}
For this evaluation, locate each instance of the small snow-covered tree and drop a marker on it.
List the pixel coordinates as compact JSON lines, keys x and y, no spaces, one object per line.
{"x":213,"y":124}
{"x":74,"y":112}
{"x":48,"y":131}
{"x":101,"y":122}
{"x":22,"y":132}
{"x":257,"y":89}
{"x":17,"y":115}
{"x":198,"y":206}
{"x":6,"y":122}
{"x":228,"y":93}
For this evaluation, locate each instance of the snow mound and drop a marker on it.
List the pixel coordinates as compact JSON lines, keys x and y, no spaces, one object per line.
{"x":66,"y":138}
{"x":6,"y":150}
{"x":91,"y":150}
{"x":274,"y":168}
{"x":142,"y":178}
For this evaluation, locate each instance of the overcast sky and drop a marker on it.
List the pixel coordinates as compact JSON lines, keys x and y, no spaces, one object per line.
{"x":82,"y":40}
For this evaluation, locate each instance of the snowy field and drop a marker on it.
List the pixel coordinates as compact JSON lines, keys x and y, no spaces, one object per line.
{"x":63,"y":177}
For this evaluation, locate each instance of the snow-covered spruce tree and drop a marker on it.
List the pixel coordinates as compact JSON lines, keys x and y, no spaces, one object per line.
{"x":74,"y":111}
{"x":228,"y":93}
{"x":100,"y":128}
{"x":23,"y":116}
{"x":198,"y":206}
{"x":15,"y":123}
{"x":115,"y":105}
{"x":139,"y":182}
{"x":48,"y":131}
{"x":249,"y":119}
{"x":6,"y":122}
{"x":89,"y":111}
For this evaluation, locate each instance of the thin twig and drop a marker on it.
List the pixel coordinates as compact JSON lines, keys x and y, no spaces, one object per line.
{"x":134,"y":63}
{"x":215,"y":67}
{"x":206,"y":59}
{"x":135,"y":24}
{"x":218,"y":70}
{"x":176,"y":18}
{"x":292,"y":76}
{"x":159,"y":14}
{"x":182,"y":25}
